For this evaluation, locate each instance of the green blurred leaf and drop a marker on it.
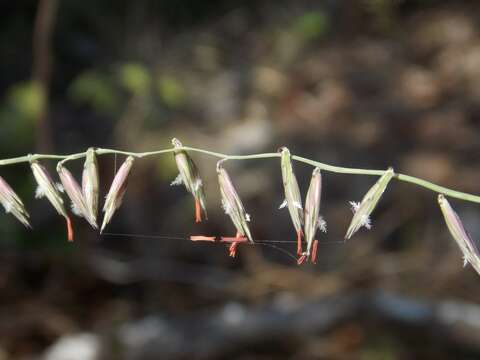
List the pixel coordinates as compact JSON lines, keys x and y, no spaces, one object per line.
{"x":96,"y":90}
{"x":171,"y":91}
{"x":135,"y":78}
{"x":311,"y":25}
{"x":23,"y":105}
{"x":27,"y":99}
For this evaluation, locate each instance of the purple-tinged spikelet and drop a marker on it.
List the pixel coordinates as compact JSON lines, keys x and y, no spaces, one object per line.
{"x":74,"y":192}
{"x":47,"y":188}
{"x":313,"y":220}
{"x":471,"y":254}
{"x":117,"y":191}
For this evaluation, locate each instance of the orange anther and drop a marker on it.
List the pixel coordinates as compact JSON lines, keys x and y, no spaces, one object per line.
{"x":202,"y":238}
{"x":233,"y":239}
{"x":301,"y":259}
{"x":233,"y":249}
{"x":299,"y":242}
{"x":313,"y":259}
{"x":69,"y":229}
{"x":198,"y":212}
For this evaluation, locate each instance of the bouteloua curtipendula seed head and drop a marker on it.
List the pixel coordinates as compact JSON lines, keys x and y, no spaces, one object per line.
{"x":467,"y":245}
{"x":74,"y":192}
{"x":47,"y":188}
{"x":232,"y":204}
{"x":12,"y":203}
{"x":362,"y":210}
{"x":117,"y":191}
{"x":90,"y":184}
{"x":313,"y":220}
{"x":293,"y":199}
{"x":190,"y":177}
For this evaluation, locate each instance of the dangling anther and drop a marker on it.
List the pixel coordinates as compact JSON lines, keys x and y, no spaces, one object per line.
{"x":69,"y":229}
{"x":313,"y":258}
{"x":232,"y":250}
{"x":198,"y":211}
{"x":234,"y":242}
{"x":299,"y":242}
{"x":203,"y":238}
{"x":232,"y":239}
{"x":301,"y":259}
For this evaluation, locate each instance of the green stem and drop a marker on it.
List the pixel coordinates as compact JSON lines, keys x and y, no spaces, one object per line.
{"x":33,"y":157}
{"x":437,"y":188}
{"x":338,"y":169}
{"x":326,"y":167}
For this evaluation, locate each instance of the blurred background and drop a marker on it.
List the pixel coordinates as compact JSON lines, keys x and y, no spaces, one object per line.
{"x":370,"y":83}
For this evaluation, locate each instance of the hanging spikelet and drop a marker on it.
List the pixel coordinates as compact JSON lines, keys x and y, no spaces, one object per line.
{"x":74,"y":192}
{"x":12,"y":203}
{"x":471,"y":254}
{"x":293,"y":200}
{"x":117,"y":191}
{"x":313,"y":220}
{"x":232,"y":204}
{"x":362,"y":210}
{"x":90,"y":184}
{"x":47,"y":188}
{"x":189,"y":176}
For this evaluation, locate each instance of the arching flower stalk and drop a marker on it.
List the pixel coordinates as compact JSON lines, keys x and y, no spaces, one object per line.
{"x":74,"y":192}
{"x":12,"y":203}
{"x":189,"y":176}
{"x":117,"y":191}
{"x":362,"y":210}
{"x":313,"y":220}
{"x":90,"y":184}
{"x":471,"y":254}
{"x":234,"y":208}
{"x":293,"y":198}
{"x":47,"y":188}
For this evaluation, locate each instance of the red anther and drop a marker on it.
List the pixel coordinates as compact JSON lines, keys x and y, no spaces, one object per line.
{"x":227,"y":239}
{"x":198,"y":212}
{"x":234,"y":242}
{"x":69,"y":229}
{"x":233,"y":249}
{"x":299,"y":243}
{"x":202,"y":238}
{"x":313,"y":258}
{"x":301,"y":259}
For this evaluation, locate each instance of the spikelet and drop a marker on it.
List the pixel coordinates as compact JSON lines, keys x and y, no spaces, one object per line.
{"x":362,"y":210}
{"x":232,"y":204}
{"x":313,"y":220}
{"x":471,"y":254}
{"x":75,"y":194}
{"x":90,"y":184}
{"x":117,"y":191}
{"x":293,"y":198}
{"x":12,"y":203}
{"x":47,"y":188}
{"x":190,"y":177}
